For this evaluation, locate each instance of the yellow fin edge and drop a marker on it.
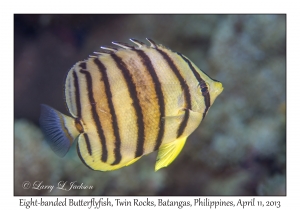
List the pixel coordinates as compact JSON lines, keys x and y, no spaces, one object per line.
{"x":168,"y":152}
{"x":93,"y":161}
{"x":132,"y":161}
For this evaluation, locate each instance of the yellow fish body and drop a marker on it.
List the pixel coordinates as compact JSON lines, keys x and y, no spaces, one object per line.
{"x":128,"y":102}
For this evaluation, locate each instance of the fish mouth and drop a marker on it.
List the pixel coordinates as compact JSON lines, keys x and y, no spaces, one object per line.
{"x":218,"y":88}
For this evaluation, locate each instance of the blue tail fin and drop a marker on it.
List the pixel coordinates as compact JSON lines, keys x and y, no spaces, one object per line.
{"x":59,"y":129}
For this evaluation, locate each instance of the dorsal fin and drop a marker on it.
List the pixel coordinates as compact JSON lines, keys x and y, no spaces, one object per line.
{"x":123,"y":45}
{"x":102,"y":53}
{"x":109,"y":49}
{"x":138,"y":43}
{"x":153,"y":44}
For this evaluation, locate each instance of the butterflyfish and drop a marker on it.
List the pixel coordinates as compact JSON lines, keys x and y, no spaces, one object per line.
{"x":127,"y":102}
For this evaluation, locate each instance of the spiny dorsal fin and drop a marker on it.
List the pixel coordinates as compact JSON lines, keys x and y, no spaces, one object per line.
{"x":138,"y":43}
{"x":102,"y":53}
{"x":153,"y":45}
{"x":123,"y":45}
{"x":109,"y":49}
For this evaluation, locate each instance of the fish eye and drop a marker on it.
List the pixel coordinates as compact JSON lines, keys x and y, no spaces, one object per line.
{"x":203,"y":87}
{"x":204,"y":90}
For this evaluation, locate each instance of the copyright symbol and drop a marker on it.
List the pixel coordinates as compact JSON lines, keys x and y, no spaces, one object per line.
{"x":26,"y":185}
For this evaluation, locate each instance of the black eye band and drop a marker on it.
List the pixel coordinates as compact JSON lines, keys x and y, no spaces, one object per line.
{"x":204,"y":90}
{"x":203,"y":87}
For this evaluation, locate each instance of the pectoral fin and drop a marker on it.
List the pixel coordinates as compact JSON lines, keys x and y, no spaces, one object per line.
{"x":168,"y":152}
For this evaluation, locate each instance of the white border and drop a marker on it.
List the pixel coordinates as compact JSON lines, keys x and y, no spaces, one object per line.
{"x":293,"y":75}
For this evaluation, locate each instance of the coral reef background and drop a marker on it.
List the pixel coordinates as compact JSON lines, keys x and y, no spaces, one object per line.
{"x":240,"y":147}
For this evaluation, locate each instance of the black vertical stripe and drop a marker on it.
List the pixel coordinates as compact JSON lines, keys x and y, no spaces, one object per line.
{"x":136,"y":104}
{"x":207,"y":103}
{"x":184,"y":122}
{"x":159,"y":93}
{"x":201,"y":82}
{"x":184,"y":87}
{"x":77,"y":95}
{"x":70,"y":92}
{"x":117,"y":149}
{"x":95,"y":114}
{"x":79,"y":155}
{"x":88,"y":144}
{"x":82,"y":65}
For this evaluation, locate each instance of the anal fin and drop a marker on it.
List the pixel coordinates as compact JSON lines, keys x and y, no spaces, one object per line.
{"x":168,"y":152}
{"x":132,"y":161}
{"x":90,"y":153}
